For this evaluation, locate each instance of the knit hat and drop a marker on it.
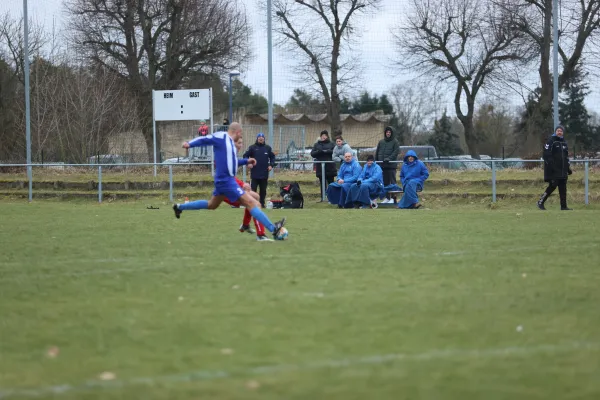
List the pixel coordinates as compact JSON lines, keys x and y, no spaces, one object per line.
{"x":260,"y":134}
{"x":560,"y":127}
{"x":324,"y":133}
{"x":370,"y":157}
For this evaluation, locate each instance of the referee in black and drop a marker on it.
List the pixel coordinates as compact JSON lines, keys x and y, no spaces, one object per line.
{"x":265,"y":161}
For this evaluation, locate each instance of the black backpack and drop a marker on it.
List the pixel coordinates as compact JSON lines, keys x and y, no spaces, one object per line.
{"x":292,"y":196}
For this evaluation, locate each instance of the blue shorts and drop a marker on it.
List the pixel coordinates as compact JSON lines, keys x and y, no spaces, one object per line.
{"x":230,"y":189}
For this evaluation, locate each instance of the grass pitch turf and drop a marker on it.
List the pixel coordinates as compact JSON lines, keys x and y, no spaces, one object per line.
{"x":455,"y":303}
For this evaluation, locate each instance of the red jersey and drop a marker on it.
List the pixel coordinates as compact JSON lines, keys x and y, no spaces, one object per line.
{"x":203,"y":130}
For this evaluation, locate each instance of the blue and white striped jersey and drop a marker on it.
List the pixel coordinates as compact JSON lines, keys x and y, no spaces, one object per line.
{"x":226,"y":161}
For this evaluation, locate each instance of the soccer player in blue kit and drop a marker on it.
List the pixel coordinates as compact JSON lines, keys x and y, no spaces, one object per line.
{"x":226,"y":164}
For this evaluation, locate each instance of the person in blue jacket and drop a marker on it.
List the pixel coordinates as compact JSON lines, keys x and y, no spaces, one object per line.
{"x":349,"y":171}
{"x":369,"y":185}
{"x":412,"y":175}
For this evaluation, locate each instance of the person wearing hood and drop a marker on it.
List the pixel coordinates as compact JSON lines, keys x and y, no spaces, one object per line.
{"x":385,"y":154}
{"x":323,"y":151}
{"x":368,"y":186}
{"x":265,"y":161}
{"x":340,"y":150}
{"x":556,"y":168}
{"x":412,"y":175}
{"x":350,"y":170}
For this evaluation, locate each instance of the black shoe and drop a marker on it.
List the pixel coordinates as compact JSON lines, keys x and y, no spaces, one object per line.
{"x":177,"y":211}
{"x":278,"y":226}
{"x":566,"y":209}
{"x":246,"y":228}
{"x":541,"y":206}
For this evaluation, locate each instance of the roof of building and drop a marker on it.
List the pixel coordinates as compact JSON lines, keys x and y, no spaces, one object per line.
{"x":308,"y":118}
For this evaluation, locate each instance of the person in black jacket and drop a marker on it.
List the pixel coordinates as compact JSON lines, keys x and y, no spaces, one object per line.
{"x":556,"y":168}
{"x":387,"y":150}
{"x":265,"y":161}
{"x":323,"y":151}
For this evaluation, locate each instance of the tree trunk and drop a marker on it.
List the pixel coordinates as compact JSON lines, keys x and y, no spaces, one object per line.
{"x":546,"y":95}
{"x":334,"y":107}
{"x":145,"y":118}
{"x":467,"y":122}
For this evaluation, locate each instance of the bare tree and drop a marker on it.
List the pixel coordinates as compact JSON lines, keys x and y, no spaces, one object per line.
{"x":76,"y":110}
{"x":494,"y":127}
{"x":416,"y":106}
{"x":156,"y":44}
{"x":12,"y":42}
{"x":321,"y":30}
{"x":463,"y":41}
{"x":579,"y":22}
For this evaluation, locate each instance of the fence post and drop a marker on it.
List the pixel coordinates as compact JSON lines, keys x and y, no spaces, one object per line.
{"x":323,"y":180}
{"x":244,"y":173}
{"x":493,"y":181}
{"x":99,"y":184}
{"x":30,"y":178}
{"x":170,"y":183}
{"x":586,"y":178}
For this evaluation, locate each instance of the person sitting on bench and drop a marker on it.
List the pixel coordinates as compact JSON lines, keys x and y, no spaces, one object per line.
{"x":347,"y":175}
{"x":413,"y":174}
{"x":368,"y":186}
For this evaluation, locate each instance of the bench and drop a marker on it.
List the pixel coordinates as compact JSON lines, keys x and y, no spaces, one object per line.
{"x":395,"y":193}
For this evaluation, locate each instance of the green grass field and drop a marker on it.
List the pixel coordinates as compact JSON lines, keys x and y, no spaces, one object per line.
{"x":116,"y":301}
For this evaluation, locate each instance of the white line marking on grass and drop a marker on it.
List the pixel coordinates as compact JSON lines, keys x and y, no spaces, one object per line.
{"x":208,"y":375}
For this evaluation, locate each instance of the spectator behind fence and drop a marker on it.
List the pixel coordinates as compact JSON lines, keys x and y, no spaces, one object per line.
{"x":225,"y":126}
{"x":340,"y":150}
{"x":368,"y":186}
{"x":265,"y":161}
{"x":337,"y":192}
{"x":322,"y":151}
{"x":203,"y":131}
{"x":387,"y":151}
{"x":412,"y":175}
{"x":557,"y":168}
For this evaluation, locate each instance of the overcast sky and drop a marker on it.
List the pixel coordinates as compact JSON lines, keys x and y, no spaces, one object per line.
{"x":374,"y":52}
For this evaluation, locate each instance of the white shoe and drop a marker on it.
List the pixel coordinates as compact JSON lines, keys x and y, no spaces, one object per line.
{"x":264,"y":238}
{"x":385,"y":201}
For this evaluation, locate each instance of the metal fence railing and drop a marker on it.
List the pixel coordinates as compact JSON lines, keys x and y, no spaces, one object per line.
{"x":491,"y":166}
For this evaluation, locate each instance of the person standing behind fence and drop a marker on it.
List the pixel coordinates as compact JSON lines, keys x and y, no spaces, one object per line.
{"x":386,"y":152}
{"x":556,"y":168}
{"x":323,"y":151}
{"x":340,"y":150}
{"x":265,"y":161}
{"x":203,"y":131}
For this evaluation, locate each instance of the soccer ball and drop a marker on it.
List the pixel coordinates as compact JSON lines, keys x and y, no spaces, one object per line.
{"x":282,"y":234}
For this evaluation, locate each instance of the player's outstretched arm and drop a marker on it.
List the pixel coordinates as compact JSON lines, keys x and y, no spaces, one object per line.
{"x":199,"y":141}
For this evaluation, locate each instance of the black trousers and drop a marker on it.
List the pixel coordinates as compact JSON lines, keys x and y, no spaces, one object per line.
{"x":262,"y":185}
{"x":561,"y":184}
{"x":328,"y":180}
{"x":389,"y":178}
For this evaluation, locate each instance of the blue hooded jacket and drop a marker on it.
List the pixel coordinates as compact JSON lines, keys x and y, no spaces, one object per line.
{"x":349,"y":172}
{"x":372,"y":174}
{"x":413,"y":170}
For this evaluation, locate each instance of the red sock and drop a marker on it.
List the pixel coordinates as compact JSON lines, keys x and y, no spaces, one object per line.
{"x":247,"y":217}
{"x":260,"y":228}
